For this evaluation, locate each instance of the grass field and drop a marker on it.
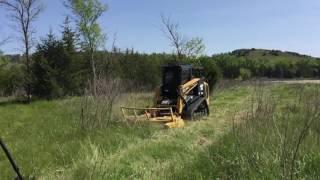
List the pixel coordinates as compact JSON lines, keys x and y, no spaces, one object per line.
{"x":252,"y":132}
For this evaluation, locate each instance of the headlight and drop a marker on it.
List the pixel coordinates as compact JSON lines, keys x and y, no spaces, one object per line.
{"x":165,"y":102}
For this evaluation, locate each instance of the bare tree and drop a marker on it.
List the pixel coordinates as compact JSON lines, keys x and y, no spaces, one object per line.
{"x":183,"y":47}
{"x":23,"y":13}
{"x":171,"y":30}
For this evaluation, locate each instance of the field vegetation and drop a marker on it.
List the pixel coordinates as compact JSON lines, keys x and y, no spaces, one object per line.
{"x":254,"y":131}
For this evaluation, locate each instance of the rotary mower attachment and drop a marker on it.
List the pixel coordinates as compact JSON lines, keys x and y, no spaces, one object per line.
{"x":158,"y":115}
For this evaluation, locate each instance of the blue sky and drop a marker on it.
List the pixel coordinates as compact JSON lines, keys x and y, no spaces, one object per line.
{"x":225,"y":25}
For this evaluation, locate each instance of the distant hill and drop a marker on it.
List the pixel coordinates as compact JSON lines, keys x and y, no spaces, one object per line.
{"x":256,"y":54}
{"x":267,"y":63}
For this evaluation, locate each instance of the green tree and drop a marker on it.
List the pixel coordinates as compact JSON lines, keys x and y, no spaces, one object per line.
{"x":44,"y":85}
{"x":87,"y":13}
{"x":50,"y":68}
{"x":71,"y":73}
{"x":194,"y":47}
{"x":69,"y":37}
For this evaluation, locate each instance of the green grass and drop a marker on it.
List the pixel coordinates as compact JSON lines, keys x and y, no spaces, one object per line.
{"x":45,"y":137}
{"x":262,"y":145}
{"x":47,"y":143}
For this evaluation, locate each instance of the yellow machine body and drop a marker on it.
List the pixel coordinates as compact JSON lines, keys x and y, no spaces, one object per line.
{"x":173,"y":115}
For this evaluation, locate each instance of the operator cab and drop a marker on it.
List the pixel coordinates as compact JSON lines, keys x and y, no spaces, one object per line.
{"x":172,"y":77}
{"x":175,"y":75}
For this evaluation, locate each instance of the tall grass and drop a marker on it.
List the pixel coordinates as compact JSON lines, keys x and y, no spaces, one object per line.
{"x":45,"y":137}
{"x":277,"y":138}
{"x":253,"y":132}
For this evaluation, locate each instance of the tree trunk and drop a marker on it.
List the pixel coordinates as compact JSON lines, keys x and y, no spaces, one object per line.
{"x":28,"y":75}
{"x":94,"y":75}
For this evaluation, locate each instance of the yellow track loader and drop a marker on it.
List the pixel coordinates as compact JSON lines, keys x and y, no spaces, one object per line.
{"x":183,"y":95}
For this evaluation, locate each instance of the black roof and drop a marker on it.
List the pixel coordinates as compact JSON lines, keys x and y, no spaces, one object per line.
{"x":186,"y":66}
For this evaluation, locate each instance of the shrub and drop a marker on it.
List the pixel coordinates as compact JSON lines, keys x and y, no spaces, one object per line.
{"x":97,"y":104}
{"x":11,"y":78}
{"x":245,"y":74}
{"x":211,"y":71}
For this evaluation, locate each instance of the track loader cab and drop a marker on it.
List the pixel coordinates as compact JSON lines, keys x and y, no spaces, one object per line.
{"x":172,"y":77}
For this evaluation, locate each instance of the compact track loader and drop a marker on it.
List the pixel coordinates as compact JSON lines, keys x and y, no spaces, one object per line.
{"x":183,"y":95}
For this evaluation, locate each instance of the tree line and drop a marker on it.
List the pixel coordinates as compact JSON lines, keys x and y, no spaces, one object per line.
{"x":59,"y":69}
{"x":63,"y":64}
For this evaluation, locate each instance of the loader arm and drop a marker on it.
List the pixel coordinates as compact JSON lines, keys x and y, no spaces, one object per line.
{"x":187,"y":87}
{"x":183,"y":92}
